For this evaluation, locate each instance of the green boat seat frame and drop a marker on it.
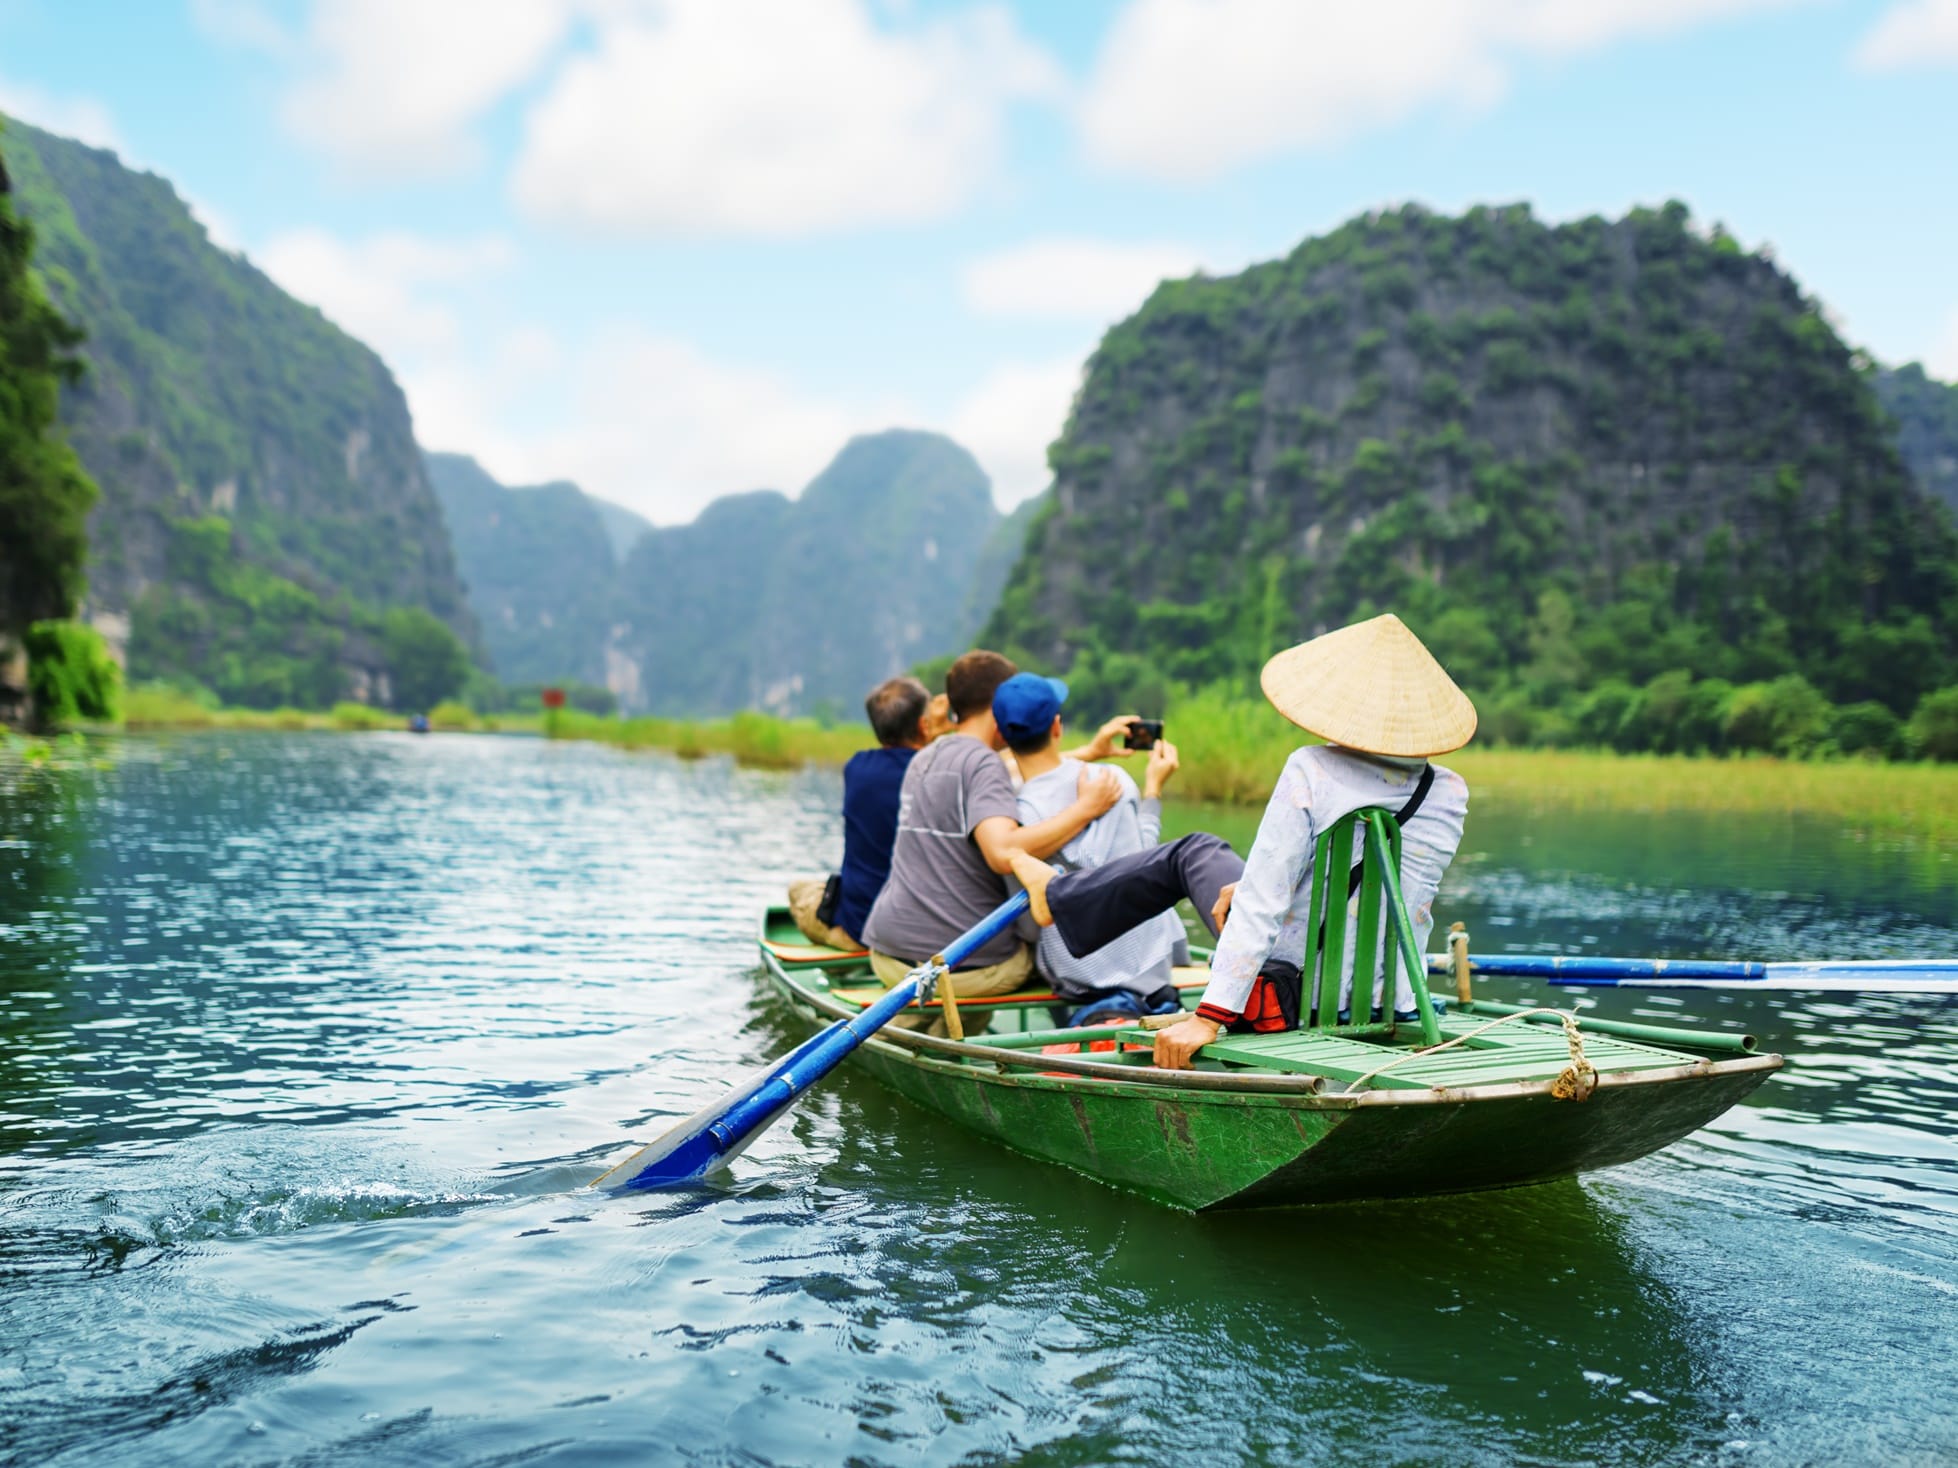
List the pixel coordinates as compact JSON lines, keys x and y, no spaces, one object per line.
{"x":1386,"y":947}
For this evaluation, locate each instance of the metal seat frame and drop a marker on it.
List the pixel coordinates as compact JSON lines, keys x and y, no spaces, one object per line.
{"x":1385,"y":949}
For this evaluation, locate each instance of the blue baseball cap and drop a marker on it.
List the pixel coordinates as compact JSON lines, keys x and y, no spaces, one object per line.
{"x":1025,"y":704}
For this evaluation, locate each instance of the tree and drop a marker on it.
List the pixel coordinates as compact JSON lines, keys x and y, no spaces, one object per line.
{"x":1867,"y":728}
{"x":426,"y":661}
{"x":1934,"y":726}
{"x":73,"y":677}
{"x":1786,"y":717}
{"x":44,"y":493}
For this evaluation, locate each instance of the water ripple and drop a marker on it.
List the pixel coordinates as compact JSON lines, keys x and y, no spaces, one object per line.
{"x":307,"y":1044}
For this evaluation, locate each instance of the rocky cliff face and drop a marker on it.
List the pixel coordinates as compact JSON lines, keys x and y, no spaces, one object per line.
{"x":804,"y":605}
{"x":1605,"y":449}
{"x":211,"y":393}
{"x":540,"y":566}
{"x":1926,"y":414}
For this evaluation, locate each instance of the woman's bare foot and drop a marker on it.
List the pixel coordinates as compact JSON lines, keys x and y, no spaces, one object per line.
{"x":1034,"y":875}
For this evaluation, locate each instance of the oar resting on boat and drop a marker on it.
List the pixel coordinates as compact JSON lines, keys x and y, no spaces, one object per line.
{"x":718,"y":1133}
{"x":1860,"y":976}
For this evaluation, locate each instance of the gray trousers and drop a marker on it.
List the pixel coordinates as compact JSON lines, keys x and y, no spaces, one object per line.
{"x":1095,"y":907}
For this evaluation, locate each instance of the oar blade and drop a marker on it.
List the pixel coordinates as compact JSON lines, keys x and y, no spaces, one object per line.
{"x":719,"y":1132}
{"x":707,"y":1141}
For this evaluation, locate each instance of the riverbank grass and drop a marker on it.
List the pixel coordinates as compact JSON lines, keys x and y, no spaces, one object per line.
{"x":1232,"y":752}
{"x":754,"y":739}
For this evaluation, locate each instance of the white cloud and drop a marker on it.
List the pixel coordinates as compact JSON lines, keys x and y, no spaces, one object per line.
{"x":384,"y":290}
{"x":644,"y":420}
{"x":1072,"y":279}
{"x":1186,"y":89}
{"x":81,"y":118}
{"x":1011,"y":416}
{"x":245,"y":23}
{"x":1916,"y":33}
{"x":656,"y":424}
{"x":773,"y":118}
{"x":396,"y":86}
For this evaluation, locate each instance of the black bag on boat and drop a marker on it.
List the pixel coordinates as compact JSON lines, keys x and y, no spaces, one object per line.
{"x":832,"y":894}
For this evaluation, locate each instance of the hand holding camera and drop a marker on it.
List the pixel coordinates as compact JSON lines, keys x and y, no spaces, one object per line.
{"x":1162,"y":764}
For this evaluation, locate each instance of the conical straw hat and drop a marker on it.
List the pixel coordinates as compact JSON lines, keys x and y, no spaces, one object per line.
{"x":1371,"y":687}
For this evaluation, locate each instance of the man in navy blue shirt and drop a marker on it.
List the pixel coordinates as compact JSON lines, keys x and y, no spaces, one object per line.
{"x":871,"y":783}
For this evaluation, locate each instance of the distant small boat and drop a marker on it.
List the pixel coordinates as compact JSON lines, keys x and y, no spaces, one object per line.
{"x":418,"y":723}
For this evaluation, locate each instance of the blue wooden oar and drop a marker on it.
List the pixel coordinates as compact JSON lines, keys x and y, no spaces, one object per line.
{"x":716,"y":1134}
{"x":1856,"y":976}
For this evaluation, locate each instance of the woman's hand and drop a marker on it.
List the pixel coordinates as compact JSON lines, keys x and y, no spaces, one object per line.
{"x":1176,"y":1045}
{"x":1221,"y":908}
{"x":1162,"y":764}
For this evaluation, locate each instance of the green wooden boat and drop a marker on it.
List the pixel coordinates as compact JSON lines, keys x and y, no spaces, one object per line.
{"x":1484,"y":1096}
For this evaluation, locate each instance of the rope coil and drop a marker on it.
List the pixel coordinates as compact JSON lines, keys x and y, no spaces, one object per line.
{"x":1576,"y":1082}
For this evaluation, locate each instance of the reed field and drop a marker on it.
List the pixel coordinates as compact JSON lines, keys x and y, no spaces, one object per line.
{"x":1231,"y":751}
{"x":760,"y":740}
{"x":153,"y":706}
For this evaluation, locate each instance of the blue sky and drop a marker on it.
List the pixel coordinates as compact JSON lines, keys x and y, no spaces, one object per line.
{"x":673,"y":249}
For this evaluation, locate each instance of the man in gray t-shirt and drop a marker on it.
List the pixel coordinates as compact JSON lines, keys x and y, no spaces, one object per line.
{"x":957,"y":829}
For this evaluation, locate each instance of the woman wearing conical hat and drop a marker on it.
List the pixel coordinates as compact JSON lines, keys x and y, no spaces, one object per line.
{"x":1384,"y":705}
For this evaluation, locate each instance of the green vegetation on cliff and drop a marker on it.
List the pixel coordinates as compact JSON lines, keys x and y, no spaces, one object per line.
{"x":540,"y":566}
{"x":44,"y":503}
{"x":257,"y":640}
{"x":44,"y":495}
{"x":1612,"y":472}
{"x":210,"y":392}
{"x":1926,"y":414}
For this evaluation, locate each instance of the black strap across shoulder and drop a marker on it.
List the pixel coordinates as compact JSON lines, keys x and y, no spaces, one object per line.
{"x":1401,"y":818}
{"x":1421,"y":789}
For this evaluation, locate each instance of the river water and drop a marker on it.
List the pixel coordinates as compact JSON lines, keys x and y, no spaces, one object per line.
{"x":307,"y":1041}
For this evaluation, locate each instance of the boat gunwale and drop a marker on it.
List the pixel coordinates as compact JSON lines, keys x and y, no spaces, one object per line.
{"x":999,"y":1064}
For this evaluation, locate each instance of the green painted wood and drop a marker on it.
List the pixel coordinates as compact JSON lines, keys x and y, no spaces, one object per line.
{"x":1510,"y":1054}
{"x":1309,"y":963}
{"x":1716,"y":1041}
{"x":1381,"y":938}
{"x":1377,"y":822}
{"x":1332,"y":958}
{"x":1382,"y":932}
{"x":1223,"y":1149}
{"x":1366,"y":934}
{"x":1035,"y":1039}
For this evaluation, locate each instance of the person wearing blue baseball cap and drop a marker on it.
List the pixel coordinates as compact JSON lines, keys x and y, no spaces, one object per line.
{"x":1134,"y":974}
{"x":958,"y":828}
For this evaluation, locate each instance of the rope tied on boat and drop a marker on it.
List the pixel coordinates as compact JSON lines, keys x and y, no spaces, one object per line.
{"x":1575,"y":1082}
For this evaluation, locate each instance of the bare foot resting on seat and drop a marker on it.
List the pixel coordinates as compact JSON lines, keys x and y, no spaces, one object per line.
{"x":1034,"y":875}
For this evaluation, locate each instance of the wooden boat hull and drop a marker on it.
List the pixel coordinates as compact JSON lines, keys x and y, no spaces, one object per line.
{"x":1215,"y":1149}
